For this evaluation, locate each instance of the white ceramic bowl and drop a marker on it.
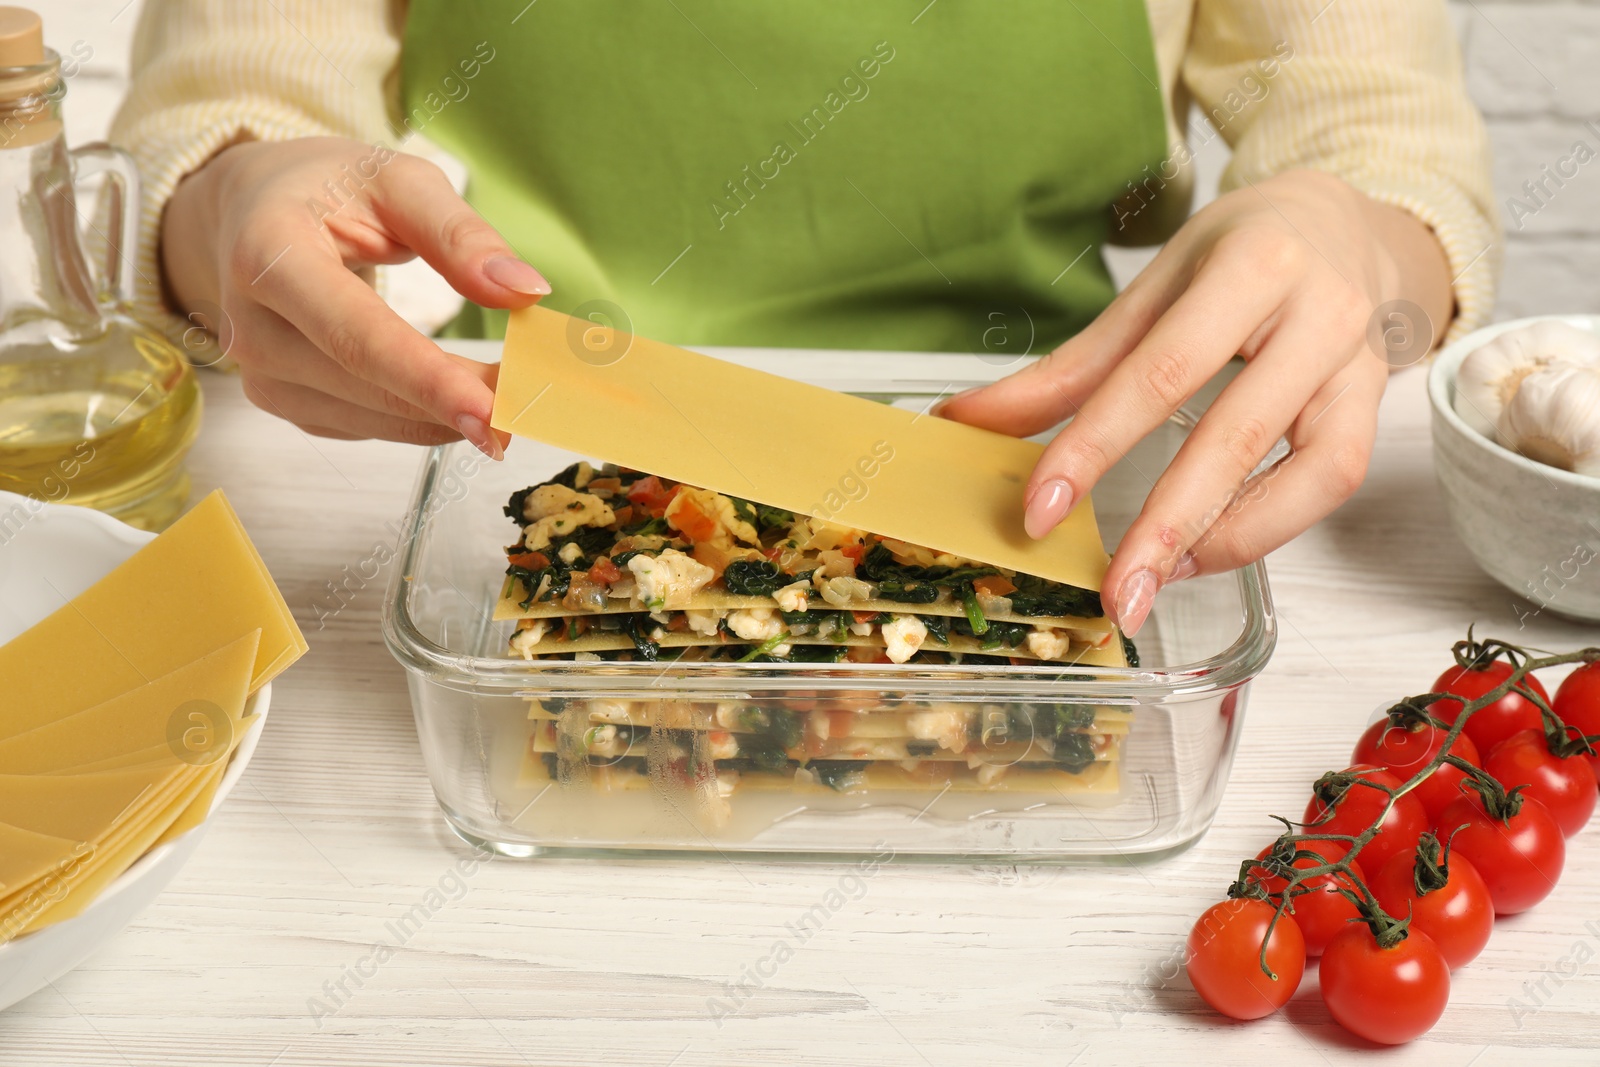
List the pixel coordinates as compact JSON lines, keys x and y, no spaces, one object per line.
{"x":47,"y":553}
{"x":1534,"y":528}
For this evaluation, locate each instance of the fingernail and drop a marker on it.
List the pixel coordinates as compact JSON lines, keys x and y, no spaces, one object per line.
{"x":938,"y":408}
{"x":1046,"y":506}
{"x":1138,"y":592}
{"x":476,"y":430}
{"x":516,"y":275}
{"x":1186,"y":567}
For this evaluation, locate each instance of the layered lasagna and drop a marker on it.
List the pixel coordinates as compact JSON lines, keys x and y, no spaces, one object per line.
{"x":613,"y":564}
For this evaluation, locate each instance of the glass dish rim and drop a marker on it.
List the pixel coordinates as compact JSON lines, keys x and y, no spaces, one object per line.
{"x":1238,"y":663}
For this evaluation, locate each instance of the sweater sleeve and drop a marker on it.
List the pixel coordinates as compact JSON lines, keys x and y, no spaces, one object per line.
{"x":210,"y":73}
{"x":1369,"y":90}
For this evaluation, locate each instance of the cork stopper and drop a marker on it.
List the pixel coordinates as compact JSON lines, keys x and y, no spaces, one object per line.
{"x":30,"y":74}
{"x":21,"y":38}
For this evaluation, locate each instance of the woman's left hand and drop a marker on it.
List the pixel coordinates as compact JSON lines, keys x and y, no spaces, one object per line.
{"x":1287,"y":273}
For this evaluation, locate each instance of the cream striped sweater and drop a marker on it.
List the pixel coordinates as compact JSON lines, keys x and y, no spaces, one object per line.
{"x":1369,"y":90}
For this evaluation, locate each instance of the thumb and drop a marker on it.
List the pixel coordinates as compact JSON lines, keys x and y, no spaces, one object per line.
{"x":425,"y":213}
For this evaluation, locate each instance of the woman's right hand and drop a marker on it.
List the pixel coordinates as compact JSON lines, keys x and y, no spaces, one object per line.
{"x":282,"y":237}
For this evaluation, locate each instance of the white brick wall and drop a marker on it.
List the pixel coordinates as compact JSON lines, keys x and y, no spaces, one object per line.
{"x":1532,"y":65}
{"x":1534,"y":69}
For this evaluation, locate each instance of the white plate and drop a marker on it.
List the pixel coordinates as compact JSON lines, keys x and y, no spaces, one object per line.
{"x":49,"y":553}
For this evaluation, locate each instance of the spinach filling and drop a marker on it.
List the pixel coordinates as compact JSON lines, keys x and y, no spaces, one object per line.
{"x":758,"y":577}
{"x":751,"y":765}
{"x":911,"y":584}
{"x":656,"y":527}
{"x":766,"y":520}
{"x":822,"y":623}
{"x":592,"y":541}
{"x":813,"y":654}
{"x":766,"y":753}
{"x":1036,"y":596}
{"x":994,"y":635}
{"x":906,"y":583}
{"x":764,"y":649}
{"x":837,"y":774}
{"x":635,"y":627}
{"x":1074,"y":753}
{"x":559,"y":573}
{"x":780,"y":724}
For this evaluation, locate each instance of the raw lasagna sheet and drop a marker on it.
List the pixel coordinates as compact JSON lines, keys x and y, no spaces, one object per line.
{"x":783,"y":443}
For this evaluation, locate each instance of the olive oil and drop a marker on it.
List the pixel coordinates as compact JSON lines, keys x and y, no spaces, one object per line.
{"x":96,"y":408}
{"x":115,"y":441}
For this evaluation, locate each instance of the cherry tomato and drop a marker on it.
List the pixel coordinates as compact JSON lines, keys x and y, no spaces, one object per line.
{"x":1224,"y":958}
{"x":1324,"y":911}
{"x":1520,"y":858}
{"x":1358,"y":807}
{"x":1493,"y":724}
{"x":1563,"y":784}
{"x":1578,"y":703}
{"x":1405,"y":750}
{"x":1457,"y":915}
{"x":1388,"y":995}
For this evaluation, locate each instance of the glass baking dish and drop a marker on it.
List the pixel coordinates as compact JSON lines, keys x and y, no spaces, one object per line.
{"x":1183,"y":706}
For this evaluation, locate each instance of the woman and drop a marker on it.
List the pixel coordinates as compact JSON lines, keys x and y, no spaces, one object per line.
{"x":918,"y":175}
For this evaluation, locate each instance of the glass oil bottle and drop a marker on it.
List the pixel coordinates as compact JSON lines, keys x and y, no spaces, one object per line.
{"x":96,"y":408}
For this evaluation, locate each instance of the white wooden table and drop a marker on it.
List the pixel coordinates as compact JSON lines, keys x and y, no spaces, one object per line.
{"x":334,"y":833}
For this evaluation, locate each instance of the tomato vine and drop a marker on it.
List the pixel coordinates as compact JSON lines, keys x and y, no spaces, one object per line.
{"x":1283,"y":861}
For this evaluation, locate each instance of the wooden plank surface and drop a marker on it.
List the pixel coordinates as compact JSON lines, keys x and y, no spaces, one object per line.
{"x":334,"y":834}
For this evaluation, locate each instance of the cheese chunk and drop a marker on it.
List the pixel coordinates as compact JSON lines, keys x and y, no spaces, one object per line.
{"x":555,"y":511}
{"x":903,"y":635}
{"x":669,"y":580}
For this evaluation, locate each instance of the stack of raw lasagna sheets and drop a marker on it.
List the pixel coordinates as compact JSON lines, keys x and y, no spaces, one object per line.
{"x":119,"y":712}
{"x":615,"y":564}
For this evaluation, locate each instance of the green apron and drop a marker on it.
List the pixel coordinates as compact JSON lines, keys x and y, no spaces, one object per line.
{"x":831,"y":174}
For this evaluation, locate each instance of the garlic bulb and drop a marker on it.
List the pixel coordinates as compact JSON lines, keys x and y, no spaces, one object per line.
{"x":1489,"y":376}
{"x":1554,"y":417}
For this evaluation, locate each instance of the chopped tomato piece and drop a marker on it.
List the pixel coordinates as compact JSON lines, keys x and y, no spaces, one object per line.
{"x":624,"y":514}
{"x":864,"y":616}
{"x":534,"y":561}
{"x":772,"y":553}
{"x":854,"y":551}
{"x":679,"y":623}
{"x":650,"y":494}
{"x":613,"y":484}
{"x":840,"y":723}
{"x":685,"y":515}
{"x":604,"y":572}
{"x":995,"y":585}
